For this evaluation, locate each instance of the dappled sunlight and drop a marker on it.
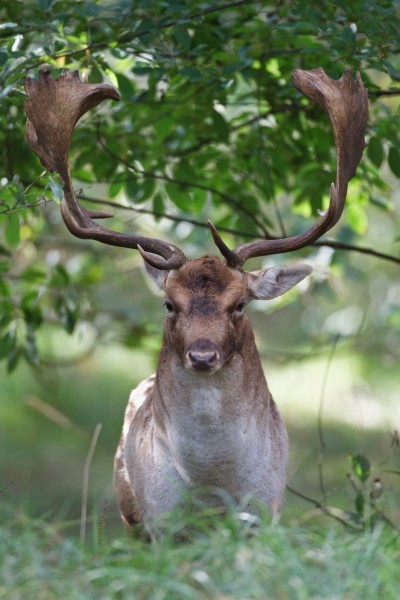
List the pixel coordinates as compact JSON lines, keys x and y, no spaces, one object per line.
{"x":346,"y":396}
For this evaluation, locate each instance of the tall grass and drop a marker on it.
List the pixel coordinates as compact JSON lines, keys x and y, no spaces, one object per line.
{"x":200,"y":556}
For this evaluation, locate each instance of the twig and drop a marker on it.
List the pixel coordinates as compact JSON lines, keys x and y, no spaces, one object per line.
{"x":324,"y":509}
{"x":17,"y":207}
{"x":85,"y":487}
{"x":258,"y":117}
{"x":54,"y":415}
{"x":162,"y":215}
{"x":360,"y":249}
{"x":179,"y":219}
{"x":390,"y":92}
{"x":9,"y":484}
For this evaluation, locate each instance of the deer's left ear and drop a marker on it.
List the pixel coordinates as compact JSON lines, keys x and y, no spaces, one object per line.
{"x":157,"y":275}
{"x":275,"y":281}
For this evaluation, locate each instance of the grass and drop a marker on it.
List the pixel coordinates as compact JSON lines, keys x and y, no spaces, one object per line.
{"x":221,"y":558}
{"x":302,"y":558}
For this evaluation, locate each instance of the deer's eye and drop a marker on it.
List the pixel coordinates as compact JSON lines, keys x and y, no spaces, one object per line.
{"x":169,"y":306}
{"x":240,"y":308}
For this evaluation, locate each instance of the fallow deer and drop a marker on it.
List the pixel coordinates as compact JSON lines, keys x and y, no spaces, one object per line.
{"x":206,"y":419}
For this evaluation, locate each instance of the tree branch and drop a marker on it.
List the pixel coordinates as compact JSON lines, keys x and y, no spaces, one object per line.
{"x":198,"y":15}
{"x":360,"y":249}
{"x":390,"y":92}
{"x":225,"y":197}
{"x":128,"y":37}
{"x":324,"y":509}
{"x":261,"y":115}
{"x":197,"y":223}
{"x":179,"y":219}
{"x":17,"y":207}
{"x":162,"y":215}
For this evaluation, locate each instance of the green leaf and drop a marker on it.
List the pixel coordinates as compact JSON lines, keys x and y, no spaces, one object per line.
{"x":359,"y":503}
{"x":56,"y":190}
{"x":140,"y":190}
{"x":182,"y":36}
{"x":179,"y":195}
{"x":375,"y":151}
{"x":12,"y":232}
{"x":125,"y":85}
{"x":192,"y":73}
{"x":13,"y":358}
{"x":115,"y":188}
{"x":199,"y":198}
{"x":382,"y":202}
{"x":132,"y":187}
{"x":71,"y":318}
{"x":60,"y":277}
{"x":31,"y":351}
{"x":31,"y":309}
{"x":5,"y":289}
{"x":391,"y":69}
{"x":394,"y":161}
{"x":84,"y":175}
{"x":361,"y":466}
{"x":158,"y":205}
{"x":6,"y":344}
{"x":304,"y":27}
{"x":221,"y":127}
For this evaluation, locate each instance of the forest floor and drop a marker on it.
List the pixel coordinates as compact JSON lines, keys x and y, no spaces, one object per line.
{"x":204,"y":556}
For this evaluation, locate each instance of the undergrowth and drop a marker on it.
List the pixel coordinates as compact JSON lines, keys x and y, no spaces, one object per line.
{"x":201,"y":556}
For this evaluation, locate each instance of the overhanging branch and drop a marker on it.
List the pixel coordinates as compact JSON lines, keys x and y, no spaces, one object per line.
{"x":198,"y":223}
{"x":245,"y":234}
{"x":225,"y":197}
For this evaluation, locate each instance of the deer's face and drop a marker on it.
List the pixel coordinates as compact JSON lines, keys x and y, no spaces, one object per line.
{"x":205,"y":304}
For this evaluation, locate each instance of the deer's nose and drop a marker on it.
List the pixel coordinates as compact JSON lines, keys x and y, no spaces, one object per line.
{"x":203,"y":355}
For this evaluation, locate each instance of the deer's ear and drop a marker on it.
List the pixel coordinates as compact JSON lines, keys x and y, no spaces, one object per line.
{"x":157,"y":275}
{"x":275,"y":281}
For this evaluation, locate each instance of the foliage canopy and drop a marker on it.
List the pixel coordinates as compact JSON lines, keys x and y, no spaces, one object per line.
{"x":209,"y":126}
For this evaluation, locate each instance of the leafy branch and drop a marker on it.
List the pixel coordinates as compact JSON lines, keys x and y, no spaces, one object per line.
{"x":162,"y":177}
{"x":197,"y":223}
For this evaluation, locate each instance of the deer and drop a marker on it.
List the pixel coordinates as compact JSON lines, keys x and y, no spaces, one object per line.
{"x":206,"y":419}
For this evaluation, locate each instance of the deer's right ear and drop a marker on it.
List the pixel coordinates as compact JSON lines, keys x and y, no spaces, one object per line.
{"x":157,"y":275}
{"x":275,"y":281}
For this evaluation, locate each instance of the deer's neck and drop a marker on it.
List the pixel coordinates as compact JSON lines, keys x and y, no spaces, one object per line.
{"x":241,"y":378}
{"x":211,"y":423}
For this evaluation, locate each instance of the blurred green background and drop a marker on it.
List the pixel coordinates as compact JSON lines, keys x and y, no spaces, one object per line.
{"x":209,"y":126}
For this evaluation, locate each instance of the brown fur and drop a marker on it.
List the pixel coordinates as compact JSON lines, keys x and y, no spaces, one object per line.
{"x":207,"y":418}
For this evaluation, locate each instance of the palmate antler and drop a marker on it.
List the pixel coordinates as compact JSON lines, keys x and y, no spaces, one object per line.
{"x":55,"y":106}
{"x":53,"y":109}
{"x":346,"y":102}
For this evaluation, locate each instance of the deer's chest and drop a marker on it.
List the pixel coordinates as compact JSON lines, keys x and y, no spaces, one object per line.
{"x":212,"y":439}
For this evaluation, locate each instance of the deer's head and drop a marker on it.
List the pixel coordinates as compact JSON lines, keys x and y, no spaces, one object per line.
{"x":205,"y":303}
{"x":208,"y":294}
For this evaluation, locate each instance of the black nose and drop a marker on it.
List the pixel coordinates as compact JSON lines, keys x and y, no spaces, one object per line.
{"x":203,"y":355}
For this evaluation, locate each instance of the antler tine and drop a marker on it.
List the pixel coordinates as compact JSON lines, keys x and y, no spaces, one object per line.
{"x":232,"y":259}
{"x":346,"y":102}
{"x":54,"y":107}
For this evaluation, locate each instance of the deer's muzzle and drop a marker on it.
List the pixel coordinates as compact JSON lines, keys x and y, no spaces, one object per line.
{"x":203,"y":355}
